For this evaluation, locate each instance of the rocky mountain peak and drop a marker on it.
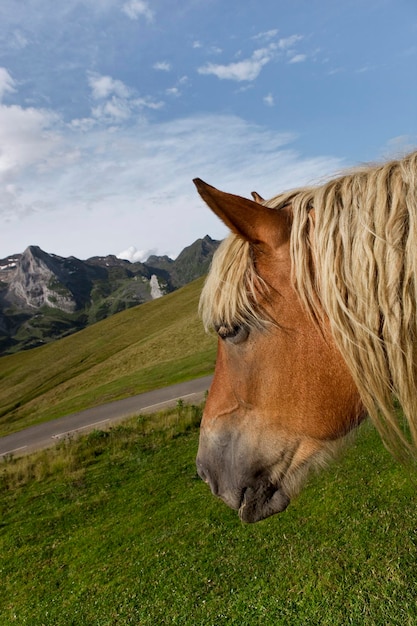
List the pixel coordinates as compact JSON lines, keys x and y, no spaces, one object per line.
{"x":37,"y":282}
{"x":44,"y":296}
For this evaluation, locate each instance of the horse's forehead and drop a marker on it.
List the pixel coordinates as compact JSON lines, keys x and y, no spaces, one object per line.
{"x":273,"y":264}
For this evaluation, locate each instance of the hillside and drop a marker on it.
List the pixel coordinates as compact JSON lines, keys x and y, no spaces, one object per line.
{"x":145,"y":347}
{"x":44,"y":297}
{"x":114,"y":529}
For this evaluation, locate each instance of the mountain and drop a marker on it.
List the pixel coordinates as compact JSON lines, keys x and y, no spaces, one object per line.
{"x":44,"y":296}
{"x":146,"y":347}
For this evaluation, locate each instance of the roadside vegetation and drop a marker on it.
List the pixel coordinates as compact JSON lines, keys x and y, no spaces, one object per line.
{"x":150,"y":346}
{"x":115,"y":528}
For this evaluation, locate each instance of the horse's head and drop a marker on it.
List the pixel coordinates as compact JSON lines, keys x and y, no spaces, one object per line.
{"x":282,"y":396}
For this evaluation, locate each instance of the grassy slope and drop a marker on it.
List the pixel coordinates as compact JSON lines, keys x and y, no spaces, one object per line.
{"x":153,"y":345}
{"x":116,"y":530}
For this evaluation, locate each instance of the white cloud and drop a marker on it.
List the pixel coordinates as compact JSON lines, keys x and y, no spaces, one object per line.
{"x":175,"y":90}
{"x":117,"y":101}
{"x":7,"y":83}
{"x":298,"y":58}
{"x":105,"y":86}
{"x":119,"y":110}
{"x":267,"y":35}
{"x":134,"y":255}
{"x":138,"y":8}
{"x":83,"y":124}
{"x":163,"y":66}
{"x":336,"y":70}
{"x":114,"y":110}
{"x":100,"y":190}
{"x":27,"y":137}
{"x":269,"y":100}
{"x":246,"y":70}
{"x":250,"y":68}
{"x":148,"y":103}
{"x":288,"y":42}
{"x":399,"y":146}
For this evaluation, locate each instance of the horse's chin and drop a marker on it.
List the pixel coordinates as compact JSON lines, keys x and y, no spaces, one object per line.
{"x":261,"y":502}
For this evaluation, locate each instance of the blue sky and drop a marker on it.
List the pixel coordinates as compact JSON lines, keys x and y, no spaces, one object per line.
{"x":109,"y":109}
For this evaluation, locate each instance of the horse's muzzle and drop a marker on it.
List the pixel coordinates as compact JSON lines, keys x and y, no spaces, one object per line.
{"x":262,"y":501}
{"x":245,"y":489}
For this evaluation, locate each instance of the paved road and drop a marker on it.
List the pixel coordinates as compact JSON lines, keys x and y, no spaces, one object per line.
{"x":46,"y":434}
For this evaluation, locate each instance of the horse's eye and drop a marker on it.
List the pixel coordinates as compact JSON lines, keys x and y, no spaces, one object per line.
{"x":234,"y":334}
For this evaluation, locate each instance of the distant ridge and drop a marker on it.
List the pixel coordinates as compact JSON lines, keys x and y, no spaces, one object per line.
{"x":44,"y":297}
{"x":156,"y":344}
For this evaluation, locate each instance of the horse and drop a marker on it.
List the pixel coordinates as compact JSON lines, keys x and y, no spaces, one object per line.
{"x":313,"y":297}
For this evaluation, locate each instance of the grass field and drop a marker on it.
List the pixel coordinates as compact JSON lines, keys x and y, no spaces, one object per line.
{"x":116,"y":529}
{"x":150,"y":346}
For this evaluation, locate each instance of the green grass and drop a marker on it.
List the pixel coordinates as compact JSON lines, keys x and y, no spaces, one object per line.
{"x":116,"y":529}
{"x":150,"y":346}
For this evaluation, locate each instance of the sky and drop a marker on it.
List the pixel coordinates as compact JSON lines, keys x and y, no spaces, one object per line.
{"x":109,"y":109}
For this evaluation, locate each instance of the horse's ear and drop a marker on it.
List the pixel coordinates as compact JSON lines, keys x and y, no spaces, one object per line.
{"x":248,"y":219}
{"x":255,"y":195}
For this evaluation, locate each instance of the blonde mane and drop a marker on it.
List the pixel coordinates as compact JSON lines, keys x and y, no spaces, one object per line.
{"x":354,"y":262}
{"x":230,"y":292}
